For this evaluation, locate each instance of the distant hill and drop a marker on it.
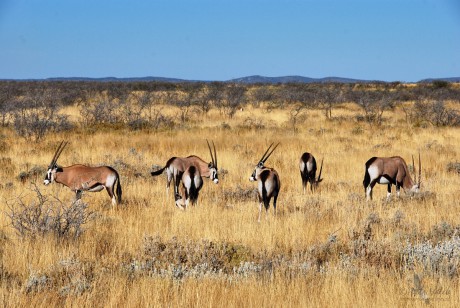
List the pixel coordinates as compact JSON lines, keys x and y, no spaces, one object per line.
{"x":451,"y":79}
{"x":111,"y":79}
{"x":296,"y":79}
{"x":248,"y":80}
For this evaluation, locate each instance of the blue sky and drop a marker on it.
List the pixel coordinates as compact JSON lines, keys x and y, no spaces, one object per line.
{"x":390,"y":40}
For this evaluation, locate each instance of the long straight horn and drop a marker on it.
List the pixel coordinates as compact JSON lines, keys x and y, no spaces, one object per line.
{"x":263,"y":156}
{"x":58,"y":152}
{"x":419,"y":170}
{"x":413,"y":167}
{"x":320,"y":170}
{"x":265,"y":159}
{"x":210,"y":152}
{"x":215,"y":154}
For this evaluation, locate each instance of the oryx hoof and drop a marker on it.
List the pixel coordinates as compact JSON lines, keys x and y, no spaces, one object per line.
{"x":179,"y":204}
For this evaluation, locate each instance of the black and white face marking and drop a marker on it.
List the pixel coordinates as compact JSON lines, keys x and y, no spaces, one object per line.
{"x":213,"y":173}
{"x":49,"y":176}
{"x":252,"y":178}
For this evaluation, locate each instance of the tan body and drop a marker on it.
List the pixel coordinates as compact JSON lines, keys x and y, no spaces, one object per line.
{"x":268,"y":186}
{"x":81,"y":178}
{"x":191,"y":184}
{"x":176,"y":166}
{"x":268,"y":182}
{"x":308,"y":167}
{"x":390,"y":171}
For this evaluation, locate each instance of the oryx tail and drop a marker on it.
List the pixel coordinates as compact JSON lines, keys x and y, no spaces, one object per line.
{"x":118,"y":191}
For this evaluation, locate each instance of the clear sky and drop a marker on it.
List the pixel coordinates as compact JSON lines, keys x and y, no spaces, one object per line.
{"x":390,"y":40}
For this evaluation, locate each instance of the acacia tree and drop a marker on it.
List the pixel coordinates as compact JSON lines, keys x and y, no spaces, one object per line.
{"x":234,"y":98}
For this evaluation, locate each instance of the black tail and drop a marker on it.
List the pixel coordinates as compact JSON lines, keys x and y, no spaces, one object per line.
{"x":367,"y":177}
{"x":194,"y":191}
{"x":158,"y":172}
{"x":119,"y":192}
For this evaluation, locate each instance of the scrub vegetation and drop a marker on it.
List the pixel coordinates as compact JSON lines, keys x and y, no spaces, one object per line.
{"x":327,"y":248}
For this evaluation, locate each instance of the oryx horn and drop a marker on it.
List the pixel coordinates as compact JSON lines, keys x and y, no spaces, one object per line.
{"x":213,"y":157}
{"x":320,"y":170}
{"x":58,"y":152}
{"x":266,"y":156}
{"x":215,"y":154}
{"x":419,"y":170}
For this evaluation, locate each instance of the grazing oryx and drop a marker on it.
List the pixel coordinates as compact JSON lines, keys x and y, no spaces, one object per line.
{"x":391,"y":171}
{"x":81,"y":178}
{"x":192,"y":184}
{"x":268,"y":182}
{"x":176,"y":166}
{"x":307,"y":165}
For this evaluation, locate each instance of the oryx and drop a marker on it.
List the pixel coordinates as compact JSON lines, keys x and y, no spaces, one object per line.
{"x":192,"y":184}
{"x":81,"y":178}
{"x":176,"y":166}
{"x":307,"y":166}
{"x":390,"y":171}
{"x":268,"y":182}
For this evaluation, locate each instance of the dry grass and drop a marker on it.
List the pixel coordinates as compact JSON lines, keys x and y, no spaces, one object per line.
{"x":330,"y":248}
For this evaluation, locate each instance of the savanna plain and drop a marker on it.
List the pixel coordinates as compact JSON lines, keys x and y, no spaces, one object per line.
{"x":328,"y":248}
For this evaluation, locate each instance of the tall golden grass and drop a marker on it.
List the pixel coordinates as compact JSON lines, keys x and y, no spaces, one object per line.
{"x":308,"y":255}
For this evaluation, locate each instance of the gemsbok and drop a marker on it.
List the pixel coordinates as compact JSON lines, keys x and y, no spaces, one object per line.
{"x":307,"y":165}
{"x":390,"y":171}
{"x":81,"y":178}
{"x":192,"y":184}
{"x":268,"y":182}
{"x":176,"y":166}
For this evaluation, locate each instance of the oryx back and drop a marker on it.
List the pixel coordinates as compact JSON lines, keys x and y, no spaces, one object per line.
{"x":390,"y":171}
{"x":308,"y":167}
{"x":81,"y":178}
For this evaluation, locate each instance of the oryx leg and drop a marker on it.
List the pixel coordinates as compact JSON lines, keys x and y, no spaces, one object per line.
{"x":398,"y":189}
{"x":180,"y":201}
{"x":111,"y":195}
{"x":78,"y":195}
{"x":312,"y":182}
{"x":177,"y":179}
{"x":369,"y":190}
{"x":261,"y":201}
{"x":389,"y":191}
{"x":260,"y":211}
{"x":304,"y":182}
{"x":168,"y":181}
{"x":274,"y":203}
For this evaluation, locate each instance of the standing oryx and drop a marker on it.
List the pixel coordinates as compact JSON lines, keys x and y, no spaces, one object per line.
{"x":176,"y":166}
{"x":307,"y":165}
{"x":391,"y":171}
{"x":192,"y":184}
{"x":268,"y":182}
{"x":81,"y":178}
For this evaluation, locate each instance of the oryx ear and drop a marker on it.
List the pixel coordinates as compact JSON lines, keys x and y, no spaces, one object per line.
{"x":260,"y":165}
{"x":59,"y":169}
{"x":209,"y":165}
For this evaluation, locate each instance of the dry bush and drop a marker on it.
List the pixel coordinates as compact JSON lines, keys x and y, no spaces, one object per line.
{"x":453,"y":167}
{"x":44,"y":216}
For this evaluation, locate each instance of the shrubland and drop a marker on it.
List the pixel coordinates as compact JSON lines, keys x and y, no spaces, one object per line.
{"x":325,"y":248}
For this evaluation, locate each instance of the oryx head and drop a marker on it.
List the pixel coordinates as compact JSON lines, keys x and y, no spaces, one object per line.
{"x":53,"y":167}
{"x":416,"y":187}
{"x":319,"y":179}
{"x":260,"y":165}
{"x":213,"y":164}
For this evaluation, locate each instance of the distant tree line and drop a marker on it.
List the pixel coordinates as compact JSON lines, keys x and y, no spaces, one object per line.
{"x":32,"y":107}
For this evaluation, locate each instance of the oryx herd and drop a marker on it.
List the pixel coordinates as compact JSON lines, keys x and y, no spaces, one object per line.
{"x":190,"y":170}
